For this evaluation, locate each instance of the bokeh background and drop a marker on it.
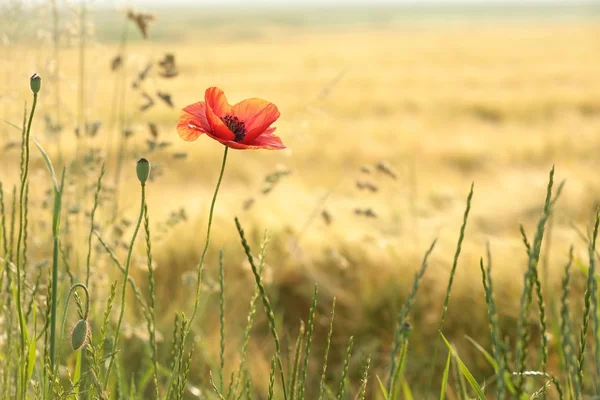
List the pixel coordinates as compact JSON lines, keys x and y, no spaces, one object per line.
{"x":390,"y":111}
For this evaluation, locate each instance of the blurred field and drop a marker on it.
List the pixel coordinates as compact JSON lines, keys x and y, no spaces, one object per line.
{"x":494,"y":102}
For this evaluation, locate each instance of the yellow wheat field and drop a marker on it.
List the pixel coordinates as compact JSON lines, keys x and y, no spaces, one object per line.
{"x":496,"y":104}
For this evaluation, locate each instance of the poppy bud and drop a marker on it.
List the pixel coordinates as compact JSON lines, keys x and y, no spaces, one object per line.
{"x":35,"y":82}
{"x":80,"y":334}
{"x":143,"y":170}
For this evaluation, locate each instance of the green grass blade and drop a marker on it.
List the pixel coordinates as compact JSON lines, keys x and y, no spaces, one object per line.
{"x":464,"y":370}
{"x":445,"y":376}
{"x":461,"y":237}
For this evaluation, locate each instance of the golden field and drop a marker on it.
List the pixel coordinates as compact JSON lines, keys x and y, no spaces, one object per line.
{"x":446,"y":105}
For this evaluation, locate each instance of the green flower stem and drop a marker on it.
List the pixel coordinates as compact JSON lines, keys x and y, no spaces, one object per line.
{"x":124,"y":290}
{"x":210,"y":218}
{"x":24,"y":175}
{"x":200,"y":265}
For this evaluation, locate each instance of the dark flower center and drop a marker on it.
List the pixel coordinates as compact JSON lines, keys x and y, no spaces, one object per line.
{"x":235,"y":125}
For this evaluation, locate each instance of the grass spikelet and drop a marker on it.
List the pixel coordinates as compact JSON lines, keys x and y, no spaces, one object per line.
{"x":449,"y":287}
{"x":590,"y":303}
{"x":151,"y":322}
{"x":311,"y":323}
{"x":222,"y":318}
{"x":271,"y":379}
{"x":327,"y":346}
{"x":364,"y":379}
{"x":178,"y":327}
{"x":251,"y":314}
{"x":400,"y":332}
{"x":214,"y":386}
{"x":296,"y":362}
{"x":179,"y":383}
{"x":542,"y":311}
{"x":34,"y":293}
{"x":566,"y":335}
{"x":185,"y":373}
{"x":93,"y":214}
{"x":486,"y":277}
{"x":529,"y":280}
{"x":266,"y":304}
{"x":594,"y":299}
{"x":342,"y":388}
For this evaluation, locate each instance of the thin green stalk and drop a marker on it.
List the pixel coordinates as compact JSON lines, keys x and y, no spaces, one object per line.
{"x":590,"y":298}
{"x":89,"y":254}
{"x":342,"y":388}
{"x":486,"y":277}
{"x":87,"y":305}
{"x":250,"y":319}
{"x":56,"y":43}
{"x":55,"y":251}
{"x":401,"y":332}
{"x":22,"y":205}
{"x":81,"y":108}
{"x":4,"y":242}
{"x":364,"y":379}
{"x":594,"y":300}
{"x":328,"y":345}
{"x":271,"y":379}
{"x":210,"y":218}
{"x":567,"y":343}
{"x":266,"y":304}
{"x":13,"y":218}
{"x":449,"y":287}
{"x":311,"y":324}
{"x":294,"y":372}
{"x":124,"y":290}
{"x":527,"y":294}
{"x":25,"y":231}
{"x":200,"y":265}
{"x":152,"y":307}
{"x":222,"y":317}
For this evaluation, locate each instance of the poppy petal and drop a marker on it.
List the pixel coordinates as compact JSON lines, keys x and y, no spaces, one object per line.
{"x":268,"y":141}
{"x":217,"y":101}
{"x":258,"y":115}
{"x":217,"y":107}
{"x":192,"y":122}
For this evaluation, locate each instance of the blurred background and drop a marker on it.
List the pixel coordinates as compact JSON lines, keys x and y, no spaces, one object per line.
{"x":390,"y":111}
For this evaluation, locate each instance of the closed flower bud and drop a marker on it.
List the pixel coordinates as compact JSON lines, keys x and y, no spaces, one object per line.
{"x":35,"y":82}
{"x":80,"y":334}
{"x":143,"y":170}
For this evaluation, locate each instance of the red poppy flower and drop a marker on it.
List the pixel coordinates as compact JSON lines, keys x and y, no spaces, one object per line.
{"x":245,"y":125}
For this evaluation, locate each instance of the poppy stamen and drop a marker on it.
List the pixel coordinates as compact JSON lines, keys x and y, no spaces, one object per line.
{"x":235,"y":125}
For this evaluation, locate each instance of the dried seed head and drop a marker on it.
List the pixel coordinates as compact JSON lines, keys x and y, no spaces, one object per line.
{"x":143,"y":170}
{"x":35,"y":82}
{"x":80,"y":334}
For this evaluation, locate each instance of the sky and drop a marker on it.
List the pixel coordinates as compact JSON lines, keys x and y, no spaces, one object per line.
{"x":151,"y":3}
